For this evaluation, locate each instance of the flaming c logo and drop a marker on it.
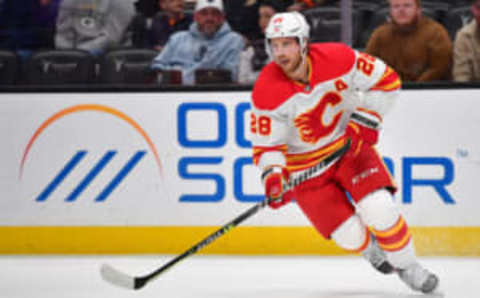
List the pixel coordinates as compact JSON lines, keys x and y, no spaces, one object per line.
{"x":310,"y":124}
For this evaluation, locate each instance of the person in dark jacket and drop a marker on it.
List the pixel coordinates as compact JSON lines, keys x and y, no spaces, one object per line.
{"x":170,"y":19}
{"x":45,"y":19}
{"x":153,"y":31}
{"x":28,"y":25}
{"x":209,"y":43}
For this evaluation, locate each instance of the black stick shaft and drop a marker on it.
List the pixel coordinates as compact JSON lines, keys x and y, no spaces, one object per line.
{"x":141,"y":281}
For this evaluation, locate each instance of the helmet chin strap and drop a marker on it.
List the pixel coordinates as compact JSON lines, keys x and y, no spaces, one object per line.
{"x":300,"y":66}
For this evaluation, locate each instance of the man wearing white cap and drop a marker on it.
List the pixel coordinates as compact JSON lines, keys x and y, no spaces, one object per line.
{"x":209,"y":43}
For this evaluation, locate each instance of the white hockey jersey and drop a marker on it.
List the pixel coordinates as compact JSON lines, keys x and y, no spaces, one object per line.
{"x":297,"y":125}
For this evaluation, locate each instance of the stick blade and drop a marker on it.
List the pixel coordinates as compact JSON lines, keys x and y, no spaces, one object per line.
{"x":116,"y":277}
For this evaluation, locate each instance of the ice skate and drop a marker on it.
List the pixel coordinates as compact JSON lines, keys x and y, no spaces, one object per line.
{"x":376,"y":256}
{"x":419,"y":278}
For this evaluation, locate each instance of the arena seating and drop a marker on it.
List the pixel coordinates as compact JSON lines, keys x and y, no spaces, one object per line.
{"x":212,"y":76}
{"x":59,"y":67}
{"x":456,"y":19}
{"x":9,"y":64}
{"x":132,"y":66}
{"x":326,"y":23}
{"x":127,"y":66}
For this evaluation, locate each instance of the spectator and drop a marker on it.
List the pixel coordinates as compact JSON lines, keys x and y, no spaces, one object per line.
{"x":93,"y":25}
{"x":208,"y":44}
{"x":172,"y":18}
{"x":417,"y":47}
{"x":154,"y":32}
{"x":141,"y":26}
{"x":466,"y":48}
{"x":147,"y":8}
{"x":16,"y":25}
{"x":242,"y":16}
{"x":24,"y":24}
{"x":254,"y":57}
{"x":45,"y":19}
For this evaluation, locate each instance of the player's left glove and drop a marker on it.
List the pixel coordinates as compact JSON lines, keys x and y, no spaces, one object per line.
{"x":363,"y":126}
{"x":275,"y":179}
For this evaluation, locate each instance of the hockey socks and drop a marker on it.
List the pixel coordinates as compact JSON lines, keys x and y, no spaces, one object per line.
{"x":395,"y":238}
{"x":398,"y":246}
{"x":397,"y":243}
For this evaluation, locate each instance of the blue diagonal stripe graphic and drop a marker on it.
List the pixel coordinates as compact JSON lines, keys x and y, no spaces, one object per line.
{"x":90,"y":176}
{"x":120,"y":176}
{"x":61,"y":176}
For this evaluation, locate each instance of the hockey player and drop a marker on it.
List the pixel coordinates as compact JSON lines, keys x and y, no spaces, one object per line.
{"x":307,"y":105}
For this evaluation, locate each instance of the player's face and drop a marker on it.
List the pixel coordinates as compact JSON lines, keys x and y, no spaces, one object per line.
{"x":286,"y":53}
{"x":265,"y":13}
{"x":209,"y":20}
{"x":404,"y":12}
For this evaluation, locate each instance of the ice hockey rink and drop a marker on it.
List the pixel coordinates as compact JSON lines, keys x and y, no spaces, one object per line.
{"x":227,"y":277}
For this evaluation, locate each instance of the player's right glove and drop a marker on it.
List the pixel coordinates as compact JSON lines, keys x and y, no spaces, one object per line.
{"x":275,"y":179}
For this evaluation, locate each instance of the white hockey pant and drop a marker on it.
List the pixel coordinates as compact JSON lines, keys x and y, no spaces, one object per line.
{"x":377,"y":211}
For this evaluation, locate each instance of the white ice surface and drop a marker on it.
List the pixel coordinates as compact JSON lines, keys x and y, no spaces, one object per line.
{"x":226,"y":277}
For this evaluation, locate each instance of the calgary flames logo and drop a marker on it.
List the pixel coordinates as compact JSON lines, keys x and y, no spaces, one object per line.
{"x":277,"y":24}
{"x":310,"y":124}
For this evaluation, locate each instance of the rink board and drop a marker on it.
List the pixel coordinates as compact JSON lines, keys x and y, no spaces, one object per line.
{"x":429,"y":241}
{"x":157,"y":172}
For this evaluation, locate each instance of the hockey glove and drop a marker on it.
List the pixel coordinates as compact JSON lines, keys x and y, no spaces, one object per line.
{"x":363,"y":127}
{"x":275,"y":180}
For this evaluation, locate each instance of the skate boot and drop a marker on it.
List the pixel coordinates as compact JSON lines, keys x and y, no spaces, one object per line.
{"x":376,"y":256}
{"x":419,"y":278}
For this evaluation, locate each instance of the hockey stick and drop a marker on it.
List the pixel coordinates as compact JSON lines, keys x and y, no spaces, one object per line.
{"x":118,"y":278}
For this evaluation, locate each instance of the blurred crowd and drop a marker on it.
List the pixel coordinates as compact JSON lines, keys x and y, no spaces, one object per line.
{"x":222,"y":41}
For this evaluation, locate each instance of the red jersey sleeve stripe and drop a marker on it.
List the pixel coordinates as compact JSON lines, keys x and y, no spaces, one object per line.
{"x":301,"y":161}
{"x":388,"y":82}
{"x":259,"y":150}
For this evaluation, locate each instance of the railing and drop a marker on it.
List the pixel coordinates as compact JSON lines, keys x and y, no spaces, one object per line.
{"x":104,"y":88}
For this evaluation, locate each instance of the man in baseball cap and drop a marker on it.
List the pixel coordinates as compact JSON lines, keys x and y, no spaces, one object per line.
{"x":210,"y":43}
{"x":201,"y":4}
{"x":209,"y":16}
